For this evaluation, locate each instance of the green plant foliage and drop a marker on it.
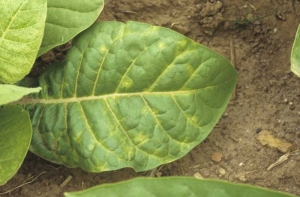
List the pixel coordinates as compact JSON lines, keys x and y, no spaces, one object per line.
{"x":66,"y":19}
{"x":11,"y":93}
{"x":21,"y":31}
{"x":130,"y":95}
{"x":176,"y":187}
{"x":295,"y":56}
{"x":15,"y":136}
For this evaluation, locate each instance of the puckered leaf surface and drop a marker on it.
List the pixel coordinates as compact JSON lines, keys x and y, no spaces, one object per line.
{"x":130,"y":95}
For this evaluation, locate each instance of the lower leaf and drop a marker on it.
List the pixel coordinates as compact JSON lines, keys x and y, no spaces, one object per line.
{"x":295,"y":55}
{"x":15,"y":136}
{"x":176,"y":187}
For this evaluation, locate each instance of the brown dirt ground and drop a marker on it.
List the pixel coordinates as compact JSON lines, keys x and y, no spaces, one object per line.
{"x":267,"y":96}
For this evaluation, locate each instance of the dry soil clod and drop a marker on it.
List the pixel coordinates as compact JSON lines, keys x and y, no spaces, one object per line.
{"x":266,"y":138}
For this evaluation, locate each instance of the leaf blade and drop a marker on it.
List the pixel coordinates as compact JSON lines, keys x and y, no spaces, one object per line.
{"x":22,"y":26}
{"x":11,"y":93}
{"x":14,"y":142}
{"x":295,"y":55}
{"x":138,"y":96}
{"x":65,"y":19}
{"x":176,"y":186}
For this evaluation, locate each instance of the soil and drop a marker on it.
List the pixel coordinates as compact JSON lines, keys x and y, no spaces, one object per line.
{"x":257,"y":36}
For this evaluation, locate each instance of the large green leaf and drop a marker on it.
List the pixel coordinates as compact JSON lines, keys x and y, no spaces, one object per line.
{"x":11,"y":93}
{"x":66,"y":19}
{"x":21,"y":31}
{"x":15,"y":136}
{"x":295,"y":56}
{"x":176,"y":187}
{"x":130,"y":95}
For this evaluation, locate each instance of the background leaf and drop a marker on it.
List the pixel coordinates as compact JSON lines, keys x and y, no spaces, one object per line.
{"x":21,"y":31}
{"x":11,"y":93}
{"x":66,"y":19}
{"x":176,"y":187}
{"x":130,"y":95}
{"x":15,"y":136}
{"x":295,"y":56}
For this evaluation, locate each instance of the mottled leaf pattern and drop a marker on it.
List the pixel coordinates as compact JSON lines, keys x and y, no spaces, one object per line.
{"x":130,"y":95}
{"x":22,"y":25}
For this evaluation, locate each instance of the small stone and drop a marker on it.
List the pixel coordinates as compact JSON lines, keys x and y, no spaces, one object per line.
{"x":181,"y":29}
{"x":266,"y":138}
{"x":205,"y":172}
{"x":221,"y":172}
{"x":242,"y":178}
{"x":197,"y":175}
{"x":258,"y":130}
{"x":250,"y":17}
{"x":217,"y":156}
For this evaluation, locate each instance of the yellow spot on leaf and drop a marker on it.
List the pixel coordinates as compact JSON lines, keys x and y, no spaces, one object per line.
{"x":161,"y":45}
{"x":103,"y":48}
{"x":127,"y":84}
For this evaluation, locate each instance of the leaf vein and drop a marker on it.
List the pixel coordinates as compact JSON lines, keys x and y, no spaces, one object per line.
{"x":115,"y":117}
{"x":13,"y":16}
{"x":151,"y":111}
{"x":164,"y":71}
{"x":91,"y":131}
{"x":130,"y":66}
{"x":188,"y":118}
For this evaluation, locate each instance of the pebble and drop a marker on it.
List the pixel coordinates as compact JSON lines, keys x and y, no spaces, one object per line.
{"x":216,"y":156}
{"x":221,"y":172}
{"x":205,"y":172}
{"x":197,"y":175}
{"x":242,"y":178}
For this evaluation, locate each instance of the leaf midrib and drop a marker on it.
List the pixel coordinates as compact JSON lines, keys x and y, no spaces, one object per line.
{"x":28,"y":100}
{"x":90,"y":98}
